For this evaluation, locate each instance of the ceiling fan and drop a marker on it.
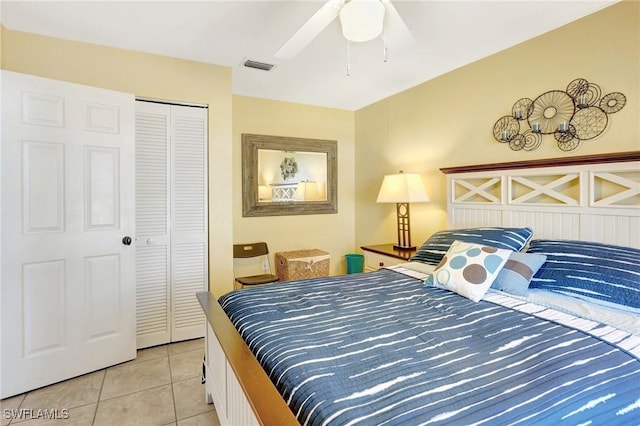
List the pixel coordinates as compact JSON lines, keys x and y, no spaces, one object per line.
{"x":361,"y":20}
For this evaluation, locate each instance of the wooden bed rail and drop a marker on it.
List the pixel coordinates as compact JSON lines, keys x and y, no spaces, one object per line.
{"x":262,"y":396}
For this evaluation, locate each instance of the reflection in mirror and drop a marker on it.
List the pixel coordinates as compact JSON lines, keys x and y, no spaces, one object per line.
{"x":288,"y":176}
{"x":291,"y":176}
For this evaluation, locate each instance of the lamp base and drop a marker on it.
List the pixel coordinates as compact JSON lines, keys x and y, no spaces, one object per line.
{"x":403,"y":248}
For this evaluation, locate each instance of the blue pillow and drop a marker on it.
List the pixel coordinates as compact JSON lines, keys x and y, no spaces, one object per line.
{"x":600,"y":273}
{"x":516,"y":274}
{"x":433,"y":250}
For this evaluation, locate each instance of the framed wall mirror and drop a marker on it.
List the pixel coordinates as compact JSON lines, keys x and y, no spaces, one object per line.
{"x":288,"y":176}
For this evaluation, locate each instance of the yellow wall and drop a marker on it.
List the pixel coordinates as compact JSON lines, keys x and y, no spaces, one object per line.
{"x":449,"y":121}
{"x":333,"y":233}
{"x":155,"y":77}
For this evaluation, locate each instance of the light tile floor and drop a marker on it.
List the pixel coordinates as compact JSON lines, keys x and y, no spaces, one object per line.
{"x":160,"y":387}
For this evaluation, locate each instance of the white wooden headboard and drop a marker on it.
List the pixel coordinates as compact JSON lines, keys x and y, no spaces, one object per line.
{"x":589,"y":198}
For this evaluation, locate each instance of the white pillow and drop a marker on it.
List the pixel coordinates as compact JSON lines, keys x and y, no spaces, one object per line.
{"x":468,"y":269}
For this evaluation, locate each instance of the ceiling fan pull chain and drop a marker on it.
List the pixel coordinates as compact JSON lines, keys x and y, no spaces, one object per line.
{"x":385,"y":50}
{"x":348,"y":59}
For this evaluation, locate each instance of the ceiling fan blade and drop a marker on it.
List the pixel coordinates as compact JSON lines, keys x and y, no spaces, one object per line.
{"x":318,"y":22}
{"x":399,"y":38}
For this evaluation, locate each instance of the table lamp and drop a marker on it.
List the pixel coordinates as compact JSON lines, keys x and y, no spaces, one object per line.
{"x":402,"y":189}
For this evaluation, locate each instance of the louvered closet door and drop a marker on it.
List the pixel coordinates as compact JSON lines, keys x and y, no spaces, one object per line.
{"x":152,"y":225}
{"x":188,"y":220}
{"x":171,"y":235}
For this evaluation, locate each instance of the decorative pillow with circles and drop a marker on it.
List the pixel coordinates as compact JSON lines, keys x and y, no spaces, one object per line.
{"x":468,"y":269}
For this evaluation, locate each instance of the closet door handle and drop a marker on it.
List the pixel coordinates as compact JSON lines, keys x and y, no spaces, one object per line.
{"x":126,"y":240}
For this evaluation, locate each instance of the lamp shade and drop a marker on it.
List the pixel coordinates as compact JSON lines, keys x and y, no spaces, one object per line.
{"x":307,"y":191}
{"x":263,"y":192}
{"x":362,"y":20}
{"x":402,"y":188}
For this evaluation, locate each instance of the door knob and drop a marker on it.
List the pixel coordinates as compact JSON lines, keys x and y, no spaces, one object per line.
{"x":126,"y":240}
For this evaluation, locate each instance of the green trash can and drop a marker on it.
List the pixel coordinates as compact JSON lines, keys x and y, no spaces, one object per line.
{"x":355,"y":263}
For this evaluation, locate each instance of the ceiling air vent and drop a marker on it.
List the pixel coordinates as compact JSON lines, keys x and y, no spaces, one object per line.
{"x":257,"y":65}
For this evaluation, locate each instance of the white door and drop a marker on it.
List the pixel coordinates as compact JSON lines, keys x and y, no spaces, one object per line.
{"x":68,"y":280}
{"x":171,"y":221}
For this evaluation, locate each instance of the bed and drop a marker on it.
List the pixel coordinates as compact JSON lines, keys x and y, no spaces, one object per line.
{"x":434,"y":342}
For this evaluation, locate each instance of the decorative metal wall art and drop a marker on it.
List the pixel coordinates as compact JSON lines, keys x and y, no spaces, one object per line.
{"x":288,"y":168}
{"x":577,"y":114}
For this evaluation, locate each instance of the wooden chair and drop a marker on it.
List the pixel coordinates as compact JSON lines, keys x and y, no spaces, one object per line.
{"x":251,"y":265}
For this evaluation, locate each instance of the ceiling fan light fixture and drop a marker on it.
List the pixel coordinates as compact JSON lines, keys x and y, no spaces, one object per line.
{"x":362,"y":20}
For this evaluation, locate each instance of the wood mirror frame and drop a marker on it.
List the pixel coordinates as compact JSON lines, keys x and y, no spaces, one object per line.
{"x":252,"y":206}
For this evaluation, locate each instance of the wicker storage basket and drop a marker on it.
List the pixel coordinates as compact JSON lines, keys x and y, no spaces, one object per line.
{"x":301,"y":264}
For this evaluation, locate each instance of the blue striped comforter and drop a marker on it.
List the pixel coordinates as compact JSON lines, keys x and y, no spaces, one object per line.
{"x":382,"y":349}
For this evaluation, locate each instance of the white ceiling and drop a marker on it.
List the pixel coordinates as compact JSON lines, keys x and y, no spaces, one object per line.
{"x":449,"y":34}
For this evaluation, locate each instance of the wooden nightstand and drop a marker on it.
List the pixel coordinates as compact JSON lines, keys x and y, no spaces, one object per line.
{"x":380,"y":255}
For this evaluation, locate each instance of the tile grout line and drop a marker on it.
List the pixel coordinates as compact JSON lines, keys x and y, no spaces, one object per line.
{"x":173,"y":394}
{"x":95,"y":413}
{"x":141,"y":390}
{"x":24,"y":397}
